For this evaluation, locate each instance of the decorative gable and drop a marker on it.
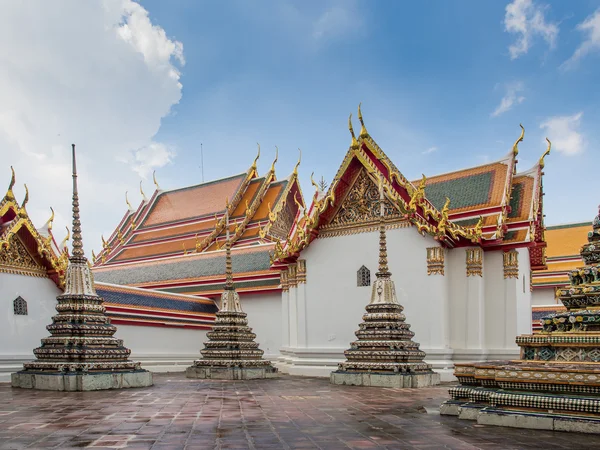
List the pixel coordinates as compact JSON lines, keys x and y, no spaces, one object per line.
{"x":15,"y":258}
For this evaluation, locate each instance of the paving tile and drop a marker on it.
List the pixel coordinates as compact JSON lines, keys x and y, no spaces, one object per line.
{"x":284,"y":413}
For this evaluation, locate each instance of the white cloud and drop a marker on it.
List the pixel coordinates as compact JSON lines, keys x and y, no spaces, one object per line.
{"x":429,"y":150}
{"x":96,"y":73}
{"x":564,"y":133}
{"x":591,"y":27}
{"x":511,"y":97}
{"x":526,"y":20}
{"x":338,"y":20}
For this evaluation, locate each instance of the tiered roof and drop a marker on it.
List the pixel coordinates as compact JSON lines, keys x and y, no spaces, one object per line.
{"x":173,"y":240}
{"x":492,"y":205}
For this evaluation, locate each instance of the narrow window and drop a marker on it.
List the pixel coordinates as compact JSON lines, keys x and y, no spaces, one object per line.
{"x":20,"y":306}
{"x":363,"y":277}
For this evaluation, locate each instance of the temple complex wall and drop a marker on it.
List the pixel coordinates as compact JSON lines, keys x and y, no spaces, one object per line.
{"x":20,"y":334}
{"x":264,"y":316}
{"x":544,"y":297}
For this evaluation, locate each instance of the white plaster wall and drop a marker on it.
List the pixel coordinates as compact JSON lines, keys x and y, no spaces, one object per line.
{"x":335,"y":304}
{"x":544,"y":297}
{"x":162,"y":349}
{"x":524,"y":297}
{"x":456,"y":270}
{"x":264,"y":316}
{"x":495,"y":308}
{"x":19,"y":335}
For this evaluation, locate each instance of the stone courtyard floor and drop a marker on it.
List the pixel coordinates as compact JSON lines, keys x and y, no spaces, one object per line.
{"x":284,"y":413}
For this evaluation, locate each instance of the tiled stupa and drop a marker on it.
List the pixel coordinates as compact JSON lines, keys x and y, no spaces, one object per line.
{"x":231,"y":353}
{"x":81,"y":354}
{"x":385,"y":354}
{"x":555,"y":385}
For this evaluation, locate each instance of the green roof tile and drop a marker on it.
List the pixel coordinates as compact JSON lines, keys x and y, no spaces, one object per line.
{"x":463,"y":192}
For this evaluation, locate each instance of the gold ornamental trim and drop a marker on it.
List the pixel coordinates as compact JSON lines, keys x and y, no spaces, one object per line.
{"x":301,"y":271}
{"x":435,"y":261}
{"x":511,"y":264}
{"x":474,"y":262}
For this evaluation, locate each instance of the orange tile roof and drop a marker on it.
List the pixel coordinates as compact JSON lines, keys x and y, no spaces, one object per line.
{"x":203,"y":226}
{"x":194,"y":201}
{"x":157,"y":249}
{"x":271,"y":197}
{"x":566,"y":240}
{"x":521,"y":198}
{"x":469,"y":189}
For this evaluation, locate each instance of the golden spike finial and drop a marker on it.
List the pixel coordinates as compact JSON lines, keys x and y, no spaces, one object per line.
{"x":363,"y":130}
{"x":104,"y":243}
{"x":354,"y":143}
{"x":298,"y":163}
{"x":155,"y":182}
{"x":142,"y":192}
{"x":546,"y":153}
{"x":93,"y":256}
{"x":63,"y":244}
{"x":50,"y":220}
{"x":515,"y":148}
{"x":26,"y":199}
{"x":312,"y":181}
{"x":9,"y":192}
{"x":275,"y":160}
{"x":127,"y":201}
{"x":256,"y":159}
{"x":298,"y":204}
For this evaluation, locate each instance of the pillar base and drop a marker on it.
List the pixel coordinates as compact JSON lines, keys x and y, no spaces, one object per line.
{"x":59,"y":381}
{"x":389,"y":380}
{"x":231,"y":373}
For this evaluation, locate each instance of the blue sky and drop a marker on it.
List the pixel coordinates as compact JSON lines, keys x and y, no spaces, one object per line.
{"x":429,"y":75}
{"x":443,"y":85}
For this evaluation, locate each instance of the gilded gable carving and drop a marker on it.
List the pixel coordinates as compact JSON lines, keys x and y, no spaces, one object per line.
{"x":361,"y":205}
{"x":14,"y":258}
{"x":282,"y":225}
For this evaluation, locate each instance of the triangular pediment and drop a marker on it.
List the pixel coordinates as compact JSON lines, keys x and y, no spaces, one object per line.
{"x":360,"y":205}
{"x":15,"y":258}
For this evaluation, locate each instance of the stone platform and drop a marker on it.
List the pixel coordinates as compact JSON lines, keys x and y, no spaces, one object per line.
{"x":231,"y":373}
{"x":81,"y":382}
{"x":390,"y":380}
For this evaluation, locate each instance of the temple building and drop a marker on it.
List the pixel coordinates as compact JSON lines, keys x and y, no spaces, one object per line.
{"x":463,"y":246}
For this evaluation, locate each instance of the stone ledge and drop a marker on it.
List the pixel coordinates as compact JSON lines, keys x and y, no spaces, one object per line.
{"x":231,"y":373}
{"x":81,"y":382}
{"x":392,"y":380}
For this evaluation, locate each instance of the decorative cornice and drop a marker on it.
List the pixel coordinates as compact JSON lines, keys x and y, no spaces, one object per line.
{"x":285,"y":287}
{"x":474,"y":262}
{"x":301,"y":271}
{"x":511,"y":264}
{"x":435,"y":261}
{"x":292,"y":276}
{"x":363,"y":228}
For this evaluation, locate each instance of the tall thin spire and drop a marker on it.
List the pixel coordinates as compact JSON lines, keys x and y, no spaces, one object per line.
{"x":228,"y":265}
{"x":77,"y":253}
{"x":383,"y":271}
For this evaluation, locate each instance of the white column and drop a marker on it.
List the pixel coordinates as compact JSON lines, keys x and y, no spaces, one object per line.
{"x":511,"y":285}
{"x":293,"y":308}
{"x":301,"y":302}
{"x":475,"y":310}
{"x":285,"y":310}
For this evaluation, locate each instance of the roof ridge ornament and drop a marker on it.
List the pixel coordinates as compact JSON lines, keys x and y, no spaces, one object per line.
{"x":298,"y":163}
{"x":49,"y":222}
{"x":363,"y":130}
{"x":127,"y":201}
{"x":272,"y":170}
{"x":546,"y":153}
{"x":63,"y":244}
{"x":312,"y":181}
{"x":9,"y":193}
{"x":515,"y":148}
{"x":26,"y":199}
{"x":254,"y":163}
{"x":354,"y":143}
{"x":155,"y":182}
{"x":142,"y":192}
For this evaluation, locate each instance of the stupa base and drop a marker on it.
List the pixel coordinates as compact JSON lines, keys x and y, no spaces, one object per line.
{"x":388,"y":380}
{"x":58,"y":381}
{"x":533,"y":420}
{"x":231,"y":373}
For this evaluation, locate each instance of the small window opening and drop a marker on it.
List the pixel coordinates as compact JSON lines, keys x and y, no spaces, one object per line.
{"x":363,"y":277}
{"x":20,"y":306}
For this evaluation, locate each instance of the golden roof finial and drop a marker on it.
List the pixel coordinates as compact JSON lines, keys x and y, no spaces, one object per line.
{"x":127,"y":201}
{"x":298,"y":163}
{"x":515,"y":148}
{"x":354,"y":143}
{"x":248,"y":210}
{"x":155,"y":182}
{"x":93,"y":256}
{"x":9,"y":192}
{"x":312,"y":181}
{"x":104,"y":243}
{"x":50,"y":220}
{"x":142,"y":192}
{"x":253,"y":167}
{"x":26,"y":199}
{"x":275,"y":160}
{"x":298,"y":204}
{"x":63,"y":244}
{"x":363,"y":130}
{"x":546,"y":153}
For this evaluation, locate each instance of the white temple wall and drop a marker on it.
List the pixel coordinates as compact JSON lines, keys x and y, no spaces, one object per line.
{"x":20,"y":334}
{"x":524,"y":295}
{"x":264,"y":317}
{"x":333,"y":304}
{"x":544,"y":297}
{"x":456,"y":268}
{"x":495,"y":308}
{"x":162,"y":349}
